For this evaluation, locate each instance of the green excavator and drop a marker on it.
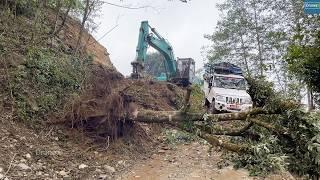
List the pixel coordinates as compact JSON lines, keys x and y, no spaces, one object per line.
{"x":180,"y":71}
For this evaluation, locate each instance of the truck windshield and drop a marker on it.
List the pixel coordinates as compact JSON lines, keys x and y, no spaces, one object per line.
{"x":230,"y":82}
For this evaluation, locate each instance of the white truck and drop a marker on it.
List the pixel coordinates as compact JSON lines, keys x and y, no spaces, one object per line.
{"x":225,"y":88}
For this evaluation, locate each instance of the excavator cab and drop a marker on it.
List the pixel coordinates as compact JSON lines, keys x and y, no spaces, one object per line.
{"x":185,"y":71}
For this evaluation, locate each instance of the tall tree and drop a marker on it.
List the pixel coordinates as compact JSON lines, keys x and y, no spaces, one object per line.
{"x":154,"y":64}
{"x":255,"y":35}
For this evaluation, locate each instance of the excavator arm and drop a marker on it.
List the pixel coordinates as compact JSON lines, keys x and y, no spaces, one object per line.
{"x":156,"y":41}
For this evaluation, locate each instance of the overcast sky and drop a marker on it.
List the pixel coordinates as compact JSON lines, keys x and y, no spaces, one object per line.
{"x":182,"y":24}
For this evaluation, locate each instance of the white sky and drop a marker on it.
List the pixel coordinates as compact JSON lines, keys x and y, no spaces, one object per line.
{"x":182,"y":24}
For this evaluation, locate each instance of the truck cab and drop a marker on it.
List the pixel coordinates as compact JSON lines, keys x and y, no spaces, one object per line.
{"x":225,"y":88}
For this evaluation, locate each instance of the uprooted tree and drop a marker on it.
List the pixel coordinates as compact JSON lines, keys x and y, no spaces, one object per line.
{"x":274,"y":136}
{"x":278,"y":135}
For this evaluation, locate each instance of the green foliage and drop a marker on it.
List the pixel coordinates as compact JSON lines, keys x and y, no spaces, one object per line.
{"x":174,"y":137}
{"x":296,"y":150}
{"x":304,"y":62}
{"x":304,"y":129}
{"x":260,"y":90}
{"x":196,"y":99}
{"x":267,"y":157}
{"x":45,"y":82}
{"x":29,"y":8}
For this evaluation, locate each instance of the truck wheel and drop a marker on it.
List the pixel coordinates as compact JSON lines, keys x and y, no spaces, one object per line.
{"x":207,"y":105}
{"x":213,"y":109}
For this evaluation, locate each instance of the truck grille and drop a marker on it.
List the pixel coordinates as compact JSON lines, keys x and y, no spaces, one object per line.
{"x":231,"y":100}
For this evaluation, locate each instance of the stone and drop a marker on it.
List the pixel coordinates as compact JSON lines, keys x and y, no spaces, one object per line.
{"x":82,"y":166}
{"x":121,"y":163}
{"x":161,"y":151}
{"x":63,"y":173}
{"x":28,"y":156}
{"x":98,"y":171}
{"x":1,"y":169}
{"x":23,"y":166}
{"x":110,"y":168}
{"x":103,"y":176}
{"x":1,"y":176}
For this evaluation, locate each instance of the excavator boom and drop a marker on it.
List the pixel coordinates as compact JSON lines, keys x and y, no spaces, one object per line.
{"x":148,"y":36}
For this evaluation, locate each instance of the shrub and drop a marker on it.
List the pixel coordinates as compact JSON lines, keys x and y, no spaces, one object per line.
{"x":45,"y":82}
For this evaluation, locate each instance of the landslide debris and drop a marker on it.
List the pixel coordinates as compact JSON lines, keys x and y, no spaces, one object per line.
{"x":51,"y":100}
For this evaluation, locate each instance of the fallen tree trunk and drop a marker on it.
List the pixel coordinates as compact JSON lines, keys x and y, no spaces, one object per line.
{"x":278,"y":130}
{"x":225,"y":131}
{"x":227,"y":145}
{"x":149,"y":116}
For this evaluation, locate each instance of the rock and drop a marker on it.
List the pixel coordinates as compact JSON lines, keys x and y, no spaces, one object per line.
{"x":110,"y":168}
{"x":39,"y":173}
{"x":82,"y":166}
{"x":63,"y":173}
{"x":165,"y":147}
{"x":1,"y":169}
{"x":121,"y":163}
{"x":23,"y":166}
{"x":161,"y":151}
{"x":98,"y":171}
{"x":28,"y":156}
{"x":1,"y":176}
{"x":103,"y":176}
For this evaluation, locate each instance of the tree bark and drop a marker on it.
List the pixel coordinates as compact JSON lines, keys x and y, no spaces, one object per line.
{"x":83,"y":22}
{"x":227,"y":145}
{"x":226,"y":131}
{"x":149,"y":116}
{"x":258,"y":38}
{"x":64,"y":19}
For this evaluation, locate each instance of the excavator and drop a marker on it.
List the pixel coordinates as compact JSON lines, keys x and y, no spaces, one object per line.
{"x":180,"y":71}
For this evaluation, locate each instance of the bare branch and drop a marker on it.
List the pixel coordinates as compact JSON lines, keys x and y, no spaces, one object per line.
{"x":126,"y":7}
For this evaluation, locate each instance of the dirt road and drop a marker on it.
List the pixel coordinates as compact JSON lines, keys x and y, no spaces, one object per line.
{"x":188,"y":162}
{"x":191,"y":161}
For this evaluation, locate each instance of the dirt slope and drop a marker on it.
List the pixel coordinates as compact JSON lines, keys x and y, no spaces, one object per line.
{"x":69,"y":37}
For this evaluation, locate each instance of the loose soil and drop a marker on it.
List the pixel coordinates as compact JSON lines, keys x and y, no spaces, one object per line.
{"x":188,"y":162}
